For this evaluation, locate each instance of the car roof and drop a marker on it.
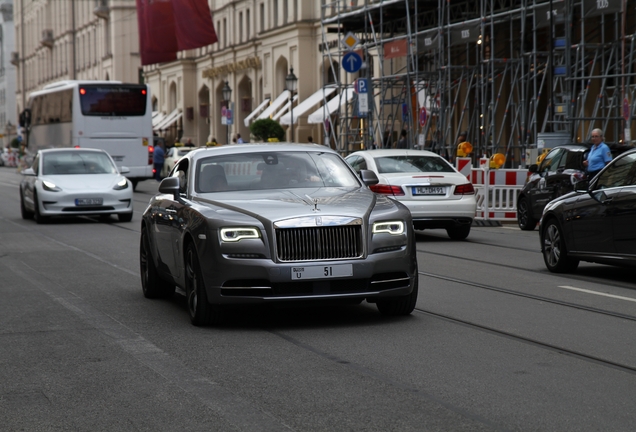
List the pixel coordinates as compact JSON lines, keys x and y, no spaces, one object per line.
{"x":71,"y":149}
{"x":395,"y":152}
{"x":573,"y":147}
{"x":257,"y":147}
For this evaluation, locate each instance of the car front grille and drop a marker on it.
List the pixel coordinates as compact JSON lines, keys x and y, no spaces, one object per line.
{"x":319,"y":243}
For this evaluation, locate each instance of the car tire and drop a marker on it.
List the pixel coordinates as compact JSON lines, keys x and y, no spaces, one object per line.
{"x":152,"y":285}
{"x":36,"y":210}
{"x":26,"y":214}
{"x":404,"y":305}
{"x":524,"y":215}
{"x":201,"y":311}
{"x":134,"y":184}
{"x":125,"y":217}
{"x":555,"y":253}
{"x":458,"y":232}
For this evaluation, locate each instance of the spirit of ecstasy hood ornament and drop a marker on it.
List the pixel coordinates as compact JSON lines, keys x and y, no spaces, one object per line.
{"x":313,"y":201}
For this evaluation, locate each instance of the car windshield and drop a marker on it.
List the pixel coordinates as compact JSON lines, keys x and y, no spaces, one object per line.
{"x":272,"y":170}
{"x":77,"y":162}
{"x":411,"y":164}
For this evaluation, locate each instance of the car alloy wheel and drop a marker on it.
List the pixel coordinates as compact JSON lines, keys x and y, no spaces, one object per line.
{"x":524,"y":215}
{"x":152,"y":284}
{"x":555,"y":253}
{"x":200,"y":310}
{"x":36,"y":210}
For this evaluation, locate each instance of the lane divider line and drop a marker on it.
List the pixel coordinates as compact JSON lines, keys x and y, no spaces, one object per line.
{"x":597,"y":293}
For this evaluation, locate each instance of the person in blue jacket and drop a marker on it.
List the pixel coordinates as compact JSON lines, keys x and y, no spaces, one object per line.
{"x":158,"y":159}
{"x":599,"y":155}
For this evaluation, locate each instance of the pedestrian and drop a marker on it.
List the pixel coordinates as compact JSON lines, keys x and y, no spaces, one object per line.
{"x":599,"y":155}
{"x":239,"y":140}
{"x":402,"y":142}
{"x":157,"y":159}
{"x":189,"y":143}
{"x":310,"y":140}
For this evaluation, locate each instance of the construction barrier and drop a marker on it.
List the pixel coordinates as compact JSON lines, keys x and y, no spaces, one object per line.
{"x":496,"y":190}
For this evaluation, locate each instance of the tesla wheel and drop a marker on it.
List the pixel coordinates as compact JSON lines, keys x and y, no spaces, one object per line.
{"x":555,"y":253}
{"x":404,"y":305}
{"x":134,"y":183}
{"x":26,"y":214}
{"x":36,"y":210}
{"x":125,"y":217}
{"x":200,"y":310}
{"x":152,"y":284}
{"x":458,"y":232}
{"x":524,"y":215}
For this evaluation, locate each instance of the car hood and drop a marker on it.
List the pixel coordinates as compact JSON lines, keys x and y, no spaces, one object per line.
{"x":285,"y":204}
{"x":82,"y":182}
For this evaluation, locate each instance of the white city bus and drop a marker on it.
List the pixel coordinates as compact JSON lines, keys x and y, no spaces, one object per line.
{"x":108,"y":115}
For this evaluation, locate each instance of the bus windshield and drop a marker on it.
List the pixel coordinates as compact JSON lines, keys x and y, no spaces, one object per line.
{"x":107,"y":101}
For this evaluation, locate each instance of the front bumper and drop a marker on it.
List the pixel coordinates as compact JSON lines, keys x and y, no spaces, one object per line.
{"x":63,"y":203}
{"x":245,"y":281}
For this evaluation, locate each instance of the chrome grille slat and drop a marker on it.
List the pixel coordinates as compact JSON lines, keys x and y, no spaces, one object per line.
{"x":319,"y":243}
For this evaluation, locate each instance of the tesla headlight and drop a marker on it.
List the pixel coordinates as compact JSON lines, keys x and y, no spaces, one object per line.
{"x":240,"y":233}
{"x":391,"y":227}
{"x":49,"y":186}
{"x":121,"y":184}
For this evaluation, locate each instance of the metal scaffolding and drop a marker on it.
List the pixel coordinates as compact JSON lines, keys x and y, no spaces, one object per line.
{"x":512,"y":74}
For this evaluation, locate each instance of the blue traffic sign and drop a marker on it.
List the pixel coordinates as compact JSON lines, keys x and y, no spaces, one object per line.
{"x":352,"y":62}
{"x":362,"y":85}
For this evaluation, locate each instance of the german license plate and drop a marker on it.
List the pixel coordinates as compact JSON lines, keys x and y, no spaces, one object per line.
{"x":88,"y":201}
{"x":429,"y":190}
{"x":322,"y":272}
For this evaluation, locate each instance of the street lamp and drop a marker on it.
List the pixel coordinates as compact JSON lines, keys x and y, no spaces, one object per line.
{"x":291,"y":82}
{"x":227,"y":94}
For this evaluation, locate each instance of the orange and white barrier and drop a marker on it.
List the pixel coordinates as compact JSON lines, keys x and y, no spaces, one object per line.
{"x":496,"y":190}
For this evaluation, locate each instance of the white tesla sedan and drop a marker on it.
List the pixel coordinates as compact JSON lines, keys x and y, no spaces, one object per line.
{"x":73,"y":181}
{"x":437,"y":195}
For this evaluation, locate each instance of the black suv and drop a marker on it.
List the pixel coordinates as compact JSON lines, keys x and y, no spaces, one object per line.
{"x":554,"y":176}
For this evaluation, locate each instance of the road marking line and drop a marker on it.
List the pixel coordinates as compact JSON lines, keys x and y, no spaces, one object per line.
{"x":598,"y":293}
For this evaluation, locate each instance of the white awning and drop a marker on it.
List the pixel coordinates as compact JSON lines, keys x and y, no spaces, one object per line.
{"x":169,"y":119}
{"x":324,"y":111}
{"x":275,"y":105}
{"x":157,"y":116}
{"x":284,"y":109}
{"x":256,"y":111}
{"x":307,"y":104}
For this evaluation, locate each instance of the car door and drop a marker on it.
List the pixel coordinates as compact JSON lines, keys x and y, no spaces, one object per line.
{"x":624,"y":208}
{"x":592,"y":217}
{"x":168,"y":223}
{"x":28,"y":189}
{"x":543,"y":192}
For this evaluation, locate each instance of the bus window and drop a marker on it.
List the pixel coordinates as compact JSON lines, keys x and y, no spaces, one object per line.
{"x":124,"y":101}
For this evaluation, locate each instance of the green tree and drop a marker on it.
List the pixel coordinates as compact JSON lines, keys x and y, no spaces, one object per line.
{"x":265,"y":129}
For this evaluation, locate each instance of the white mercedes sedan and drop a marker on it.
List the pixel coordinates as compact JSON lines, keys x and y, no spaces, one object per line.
{"x":437,"y":195}
{"x":72,"y":182}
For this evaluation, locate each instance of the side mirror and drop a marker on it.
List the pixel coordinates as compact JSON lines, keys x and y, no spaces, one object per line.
{"x":170,"y":186}
{"x":124,"y":170}
{"x":533,"y":168}
{"x":369,"y":177}
{"x":28,"y":172}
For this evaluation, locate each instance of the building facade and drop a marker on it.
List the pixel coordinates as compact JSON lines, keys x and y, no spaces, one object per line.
{"x":259,"y":42}
{"x":8,"y":113}
{"x":74,"y":39}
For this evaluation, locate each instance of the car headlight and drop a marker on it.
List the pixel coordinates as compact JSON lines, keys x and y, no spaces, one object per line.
{"x":391,"y":227}
{"x":121,"y":184}
{"x":240,"y":233}
{"x":49,"y":186}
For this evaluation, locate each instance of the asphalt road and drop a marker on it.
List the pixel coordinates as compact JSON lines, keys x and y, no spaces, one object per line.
{"x":496,"y":342}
